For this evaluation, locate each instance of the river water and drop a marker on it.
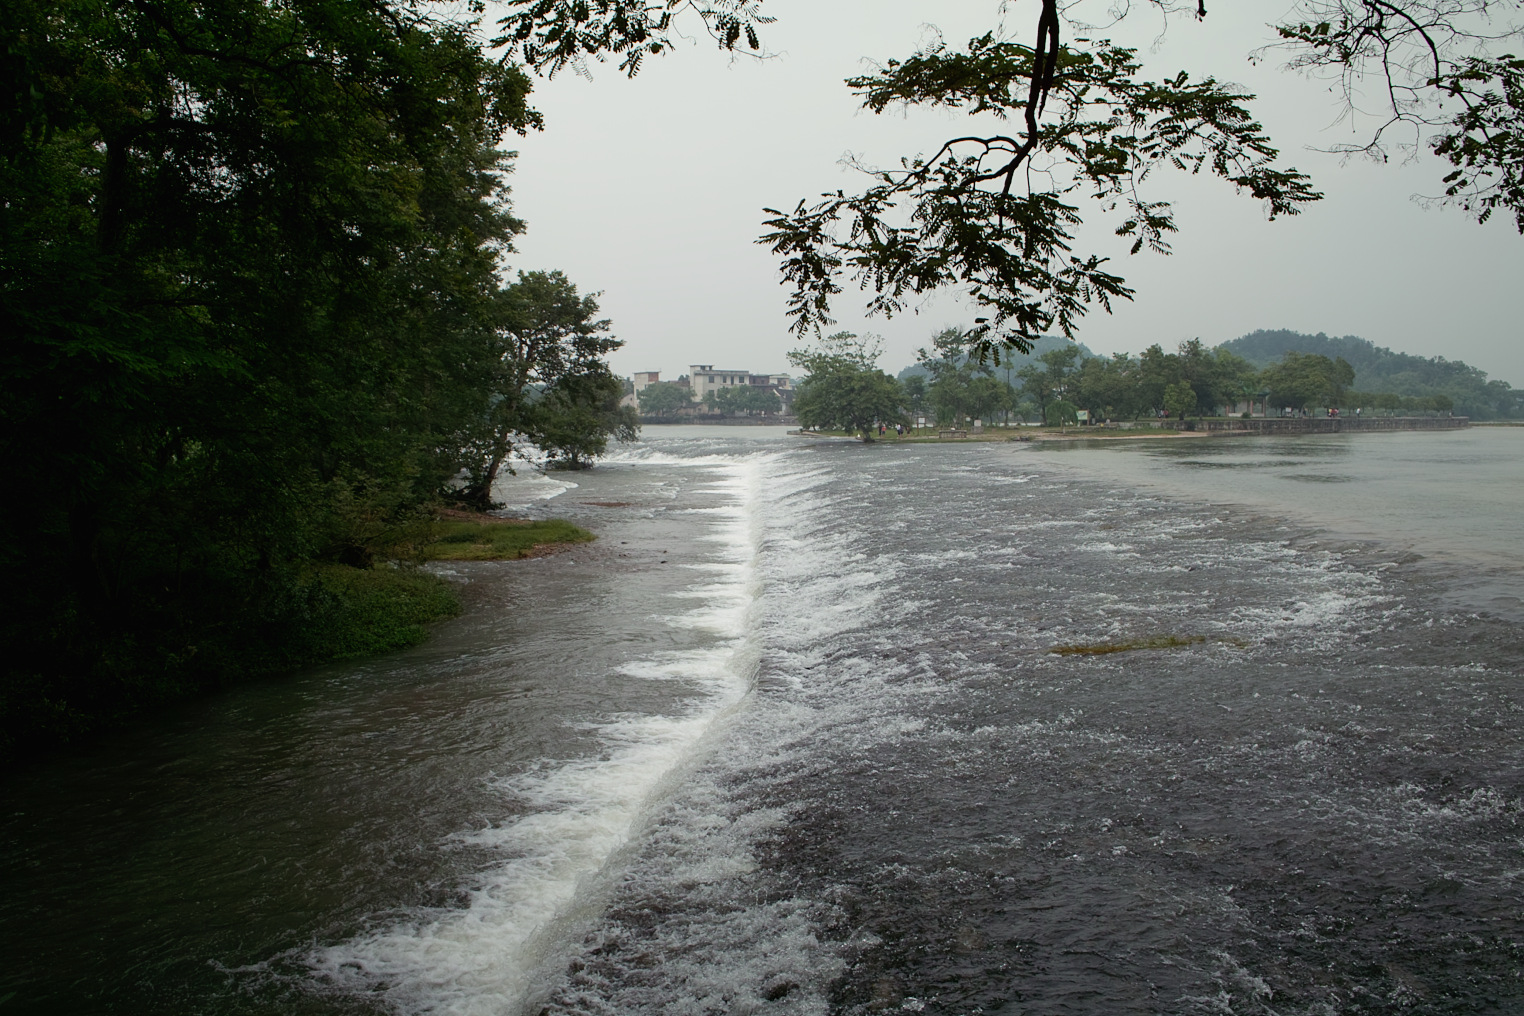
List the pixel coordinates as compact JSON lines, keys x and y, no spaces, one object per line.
{"x":793,"y":737}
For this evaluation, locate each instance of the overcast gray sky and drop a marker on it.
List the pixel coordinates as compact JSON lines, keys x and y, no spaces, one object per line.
{"x":652,"y":191}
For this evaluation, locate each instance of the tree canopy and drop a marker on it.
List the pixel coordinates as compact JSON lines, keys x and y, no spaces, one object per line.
{"x":748,"y":399}
{"x":664,"y":398}
{"x":843,"y":389}
{"x":546,"y":349}
{"x":573,"y":418}
{"x":1382,"y":370}
{"x":970,"y":214}
{"x":249,"y":257}
{"x":1445,"y":80}
{"x":1193,"y":379}
{"x":1064,"y":127}
{"x":1302,"y":380}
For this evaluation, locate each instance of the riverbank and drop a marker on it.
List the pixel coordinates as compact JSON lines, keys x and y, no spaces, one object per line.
{"x":674,"y":764}
{"x":469,"y":536}
{"x":1171,"y":429}
{"x":323,"y":613}
{"x":1323,"y":424}
{"x":1019,"y":434}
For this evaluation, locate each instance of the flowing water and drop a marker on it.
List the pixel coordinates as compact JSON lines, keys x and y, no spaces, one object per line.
{"x":793,"y":737}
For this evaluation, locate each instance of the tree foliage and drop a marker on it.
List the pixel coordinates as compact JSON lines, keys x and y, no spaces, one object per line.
{"x":573,"y":418}
{"x":551,"y":35}
{"x":993,"y":212}
{"x":1283,"y":369}
{"x":748,"y":399}
{"x":953,"y":374}
{"x":547,"y":350}
{"x":843,"y":389}
{"x":1179,"y":397}
{"x":664,"y":398}
{"x":1443,"y":79}
{"x":1379,"y":369}
{"x":1304,"y":380}
{"x":249,"y":259}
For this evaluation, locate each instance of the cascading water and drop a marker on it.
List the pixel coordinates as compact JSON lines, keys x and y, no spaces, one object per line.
{"x":825,"y":728}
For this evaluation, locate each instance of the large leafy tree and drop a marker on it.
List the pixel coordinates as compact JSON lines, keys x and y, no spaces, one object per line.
{"x":843,"y":389}
{"x":1216,"y":376}
{"x":1109,"y":387}
{"x":1303,"y":380}
{"x":248,"y":254}
{"x":572,"y":420}
{"x":953,"y":374}
{"x":664,"y":398}
{"x":749,"y":399}
{"x":547,"y":339}
{"x":1050,"y":378}
{"x":1179,"y":398}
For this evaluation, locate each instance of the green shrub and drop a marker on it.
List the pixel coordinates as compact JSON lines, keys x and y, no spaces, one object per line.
{"x":499,"y":539}
{"x":361,"y":611}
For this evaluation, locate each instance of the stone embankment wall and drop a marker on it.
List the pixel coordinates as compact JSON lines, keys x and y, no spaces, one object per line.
{"x":1323,"y":424}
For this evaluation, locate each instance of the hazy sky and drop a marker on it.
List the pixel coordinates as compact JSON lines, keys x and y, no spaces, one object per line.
{"x":652,"y":191}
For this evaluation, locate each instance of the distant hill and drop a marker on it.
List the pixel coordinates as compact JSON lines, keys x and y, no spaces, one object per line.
{"x":1017,"y":360}
{"x":1379,"y":369}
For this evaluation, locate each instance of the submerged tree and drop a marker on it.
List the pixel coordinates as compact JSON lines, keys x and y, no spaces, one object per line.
{"x":548,"y":342}
{"x":572,"y":420}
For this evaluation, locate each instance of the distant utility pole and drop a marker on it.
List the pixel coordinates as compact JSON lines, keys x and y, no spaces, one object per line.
{"x":1008,"y":393}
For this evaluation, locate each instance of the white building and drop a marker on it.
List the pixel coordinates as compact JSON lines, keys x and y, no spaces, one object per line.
{"x":704,"y":378}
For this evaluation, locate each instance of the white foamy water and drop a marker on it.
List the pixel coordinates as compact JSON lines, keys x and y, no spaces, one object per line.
{"x":730,"y":938}
{"x":527,"y":486}
{"x":814,"y":729}
{"x":483,"y":959}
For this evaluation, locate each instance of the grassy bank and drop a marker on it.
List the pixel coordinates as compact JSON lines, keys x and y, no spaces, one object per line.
{"x":484,"y":538}
{"x":69,"y":690}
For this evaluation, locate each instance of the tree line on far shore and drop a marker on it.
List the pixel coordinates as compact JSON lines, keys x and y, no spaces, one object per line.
{"x":845,"y":390}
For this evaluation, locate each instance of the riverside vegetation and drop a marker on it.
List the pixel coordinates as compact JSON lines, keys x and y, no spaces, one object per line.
{"x":256,"y":333}
{"x":255,"y":322}
{"x":845,"y":391}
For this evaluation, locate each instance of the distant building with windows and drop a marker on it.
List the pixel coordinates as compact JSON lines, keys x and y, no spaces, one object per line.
{"x":705,"y":378}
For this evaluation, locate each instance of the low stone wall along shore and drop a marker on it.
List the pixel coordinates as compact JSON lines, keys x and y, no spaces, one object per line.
{"x":1321,"y":424}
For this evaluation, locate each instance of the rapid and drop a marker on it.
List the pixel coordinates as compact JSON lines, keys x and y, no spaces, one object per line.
{"x":820,"y":727}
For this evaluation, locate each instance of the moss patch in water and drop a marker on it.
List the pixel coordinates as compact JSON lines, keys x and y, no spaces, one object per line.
{"x":1102,"y":648}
